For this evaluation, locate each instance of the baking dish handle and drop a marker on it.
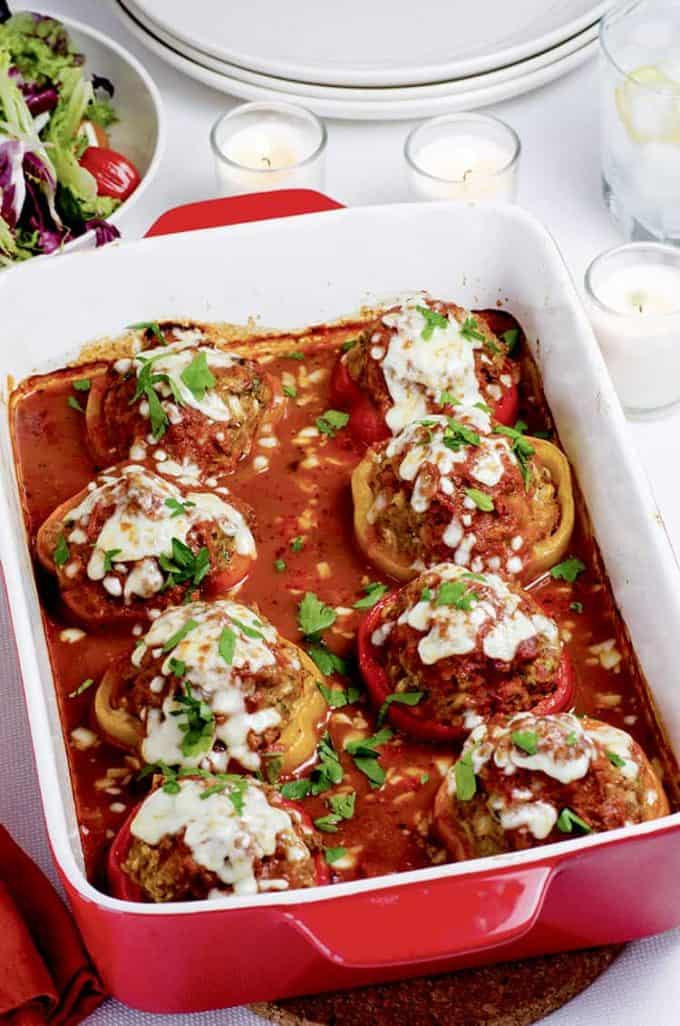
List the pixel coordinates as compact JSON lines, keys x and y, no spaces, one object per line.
{"x":435,"y":920}
{"x":258,"y":206}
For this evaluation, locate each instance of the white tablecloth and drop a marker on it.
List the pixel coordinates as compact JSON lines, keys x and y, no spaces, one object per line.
{"x":559,"y":182}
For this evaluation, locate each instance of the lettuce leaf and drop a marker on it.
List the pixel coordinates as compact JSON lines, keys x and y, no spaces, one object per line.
{"x":38,"y":46}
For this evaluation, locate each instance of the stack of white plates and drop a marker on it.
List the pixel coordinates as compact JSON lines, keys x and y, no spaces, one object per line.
{"x":381,"y":59}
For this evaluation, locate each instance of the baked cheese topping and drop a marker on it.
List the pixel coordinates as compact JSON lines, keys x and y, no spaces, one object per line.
{"x":222,"y":646}
{"x":559,"y":746}
{"x":222,"y":839}
{"x":417,"y":370}
{"x":175,"y":362}
{"x":487,"y":615}
{"x":147,"y":512}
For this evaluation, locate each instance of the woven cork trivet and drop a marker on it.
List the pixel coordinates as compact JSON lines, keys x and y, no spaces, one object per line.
{"x":509,"y":994}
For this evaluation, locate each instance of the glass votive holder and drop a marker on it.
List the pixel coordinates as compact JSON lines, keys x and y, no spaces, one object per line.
{"x":472,"y":157}
{"x":640,"y":117}
{"x":262,"y":146}
{"x":633,"y":295}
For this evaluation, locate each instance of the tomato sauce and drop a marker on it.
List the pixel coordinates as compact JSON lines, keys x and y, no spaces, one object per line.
{"x":299,"y":490}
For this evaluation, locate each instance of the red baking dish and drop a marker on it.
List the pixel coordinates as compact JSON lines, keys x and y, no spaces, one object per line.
{"x":293,"y":270}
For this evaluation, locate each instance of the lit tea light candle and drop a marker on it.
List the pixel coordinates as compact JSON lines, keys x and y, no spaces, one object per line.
{"x":463,"y":156}
{"x":634,"y":302}
{"x":263,"y":146}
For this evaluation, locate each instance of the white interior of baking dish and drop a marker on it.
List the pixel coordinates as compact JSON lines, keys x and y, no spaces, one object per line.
{"x":300,"y":270}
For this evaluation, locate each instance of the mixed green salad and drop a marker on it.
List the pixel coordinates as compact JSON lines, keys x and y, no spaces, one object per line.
{"x":58,"y":178}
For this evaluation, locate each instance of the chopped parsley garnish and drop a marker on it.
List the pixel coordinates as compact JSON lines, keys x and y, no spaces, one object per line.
{"x":425,"y":778}
{"x":568,"y":570}
{"x":198,"y":377}
{"x":314,"y":616}
{"x":470,"y":330}
{"x":464,"y":776}
{"x":447,"y":399}
{"x":295,"y":354}
{"x":81,"y":687}
{"x":456,"y":435}
{"x":179,"y":508}
{"x":146,"y":380}
{"x":198,"y":726}
{"x":183,"y":567}
{"x":150,"y":327}
{"x":433,"y":320}
{"x":571,"y":738}
{"x":511,"y":338}
{"x":177,"y":667}
{"x":297,"y":544}
{"x":109,"y":557}
{"x":567,"y":820}
{"x":348,"y":344}
{"x":273,"y":768}
{"x":484,"y":407}
{"x":374,"y":592}
{"x":334,"y":854}
{"x":521,"y":447}
{"x":458,"y":594}
{"x":332,"y":421}
{"x":249,"y":631}
{"x":296,"y":789}
{"x":426,"y":595}
{"x":576,"y":607}
{"x":337,"y":698}
{"x":82,"y":384}
{"x":615,"y":759}
{"x":61,"y":551}
{"x":328,"y":662}
{"x":527,"y":740}
{"x":226,"y":645}
{"x":74,"y":404}
{"x":290,"y":391}
{"x":237,"y":785}
{"x":342,"y":807}
{"x":179,"y":635}
{"x":481,"y":499}
{"x":279,"y":565}
{"x":365,"y":756}
{"x":328,"y":772}
{"x":401,"y":698}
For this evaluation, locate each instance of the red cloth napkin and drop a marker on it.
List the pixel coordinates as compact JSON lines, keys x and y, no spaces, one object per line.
{"x":45,"y":973}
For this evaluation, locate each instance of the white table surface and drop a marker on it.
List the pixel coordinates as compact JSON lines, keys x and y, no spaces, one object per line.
{"x":559,"y":182}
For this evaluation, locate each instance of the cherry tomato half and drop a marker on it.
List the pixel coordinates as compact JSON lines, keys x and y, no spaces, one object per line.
{"x":408,"y":721}
{"x":116,"y":176}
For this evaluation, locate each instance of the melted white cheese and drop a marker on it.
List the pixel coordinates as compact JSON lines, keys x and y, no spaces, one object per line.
{"x":538,"y":817}
{"x":218,"y":684}
{"x":220,"y":839}
{"x":142,"y":527}
{"x":417,"y":370}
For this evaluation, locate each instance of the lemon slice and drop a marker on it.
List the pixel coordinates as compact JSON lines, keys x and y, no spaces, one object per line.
{"x":652,"y":114}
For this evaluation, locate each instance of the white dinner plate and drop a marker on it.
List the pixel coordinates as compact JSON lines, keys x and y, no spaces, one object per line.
{"x":365,"y":93}
{"x":380,"y":43}
{"x":359,"y":109}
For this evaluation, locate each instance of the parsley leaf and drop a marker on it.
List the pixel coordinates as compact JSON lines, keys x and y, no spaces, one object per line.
{"x":511,"y":339}
{"x":458,"y":594}
{"x":109,"y":557}
{"x":567,"y":820}
{"x":226,"y":645}
{"x":334,"y":854}
{"x":246,"y":629}
{"x":179,"y":508}
{"x":470,"y":330}
{"x":296,"y":789}
{"x":342,"y":806}
{"x":297,"y":544}
{"x":177,"y":667}
{"x":146,"y":380}
{"x":279,"y":565}
{"x":527,"y":740}
{"x":328,"y":771}
{"x":337,"y":698}
{"x":273,"y":768}
{"x":571,"y":738}
{"x":568,"y":569}
{"x":332,"y":421}
{"x":150,"y":327}
{"x":401,"y":698}
{"x":198,"y":377}
{"x":349,"y":344}
{"x":457,"y":434}
{"x":198,"y":727}
{"x":82,"y":384}
{"x":433,"y":320}
{"x":74,"y":404}
{"x":448,"y":399}
{"x":237,"y":785}
{"x":464,"y":775}
{"x":522,"y":448}
{"x":290,"y":391}
{"x":81,"y":687}
{"x":481,"y":499}
{"x":374,"y":592}
{"x":615,"y":759}
{"x":182,"y":566}
{"x":328,"y":662}
{"x":179,"y":635}
{"x":313,"y":615}
{"x":365,"y":756}
{"x":61,"y":551}
{"x":294,"y":355}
